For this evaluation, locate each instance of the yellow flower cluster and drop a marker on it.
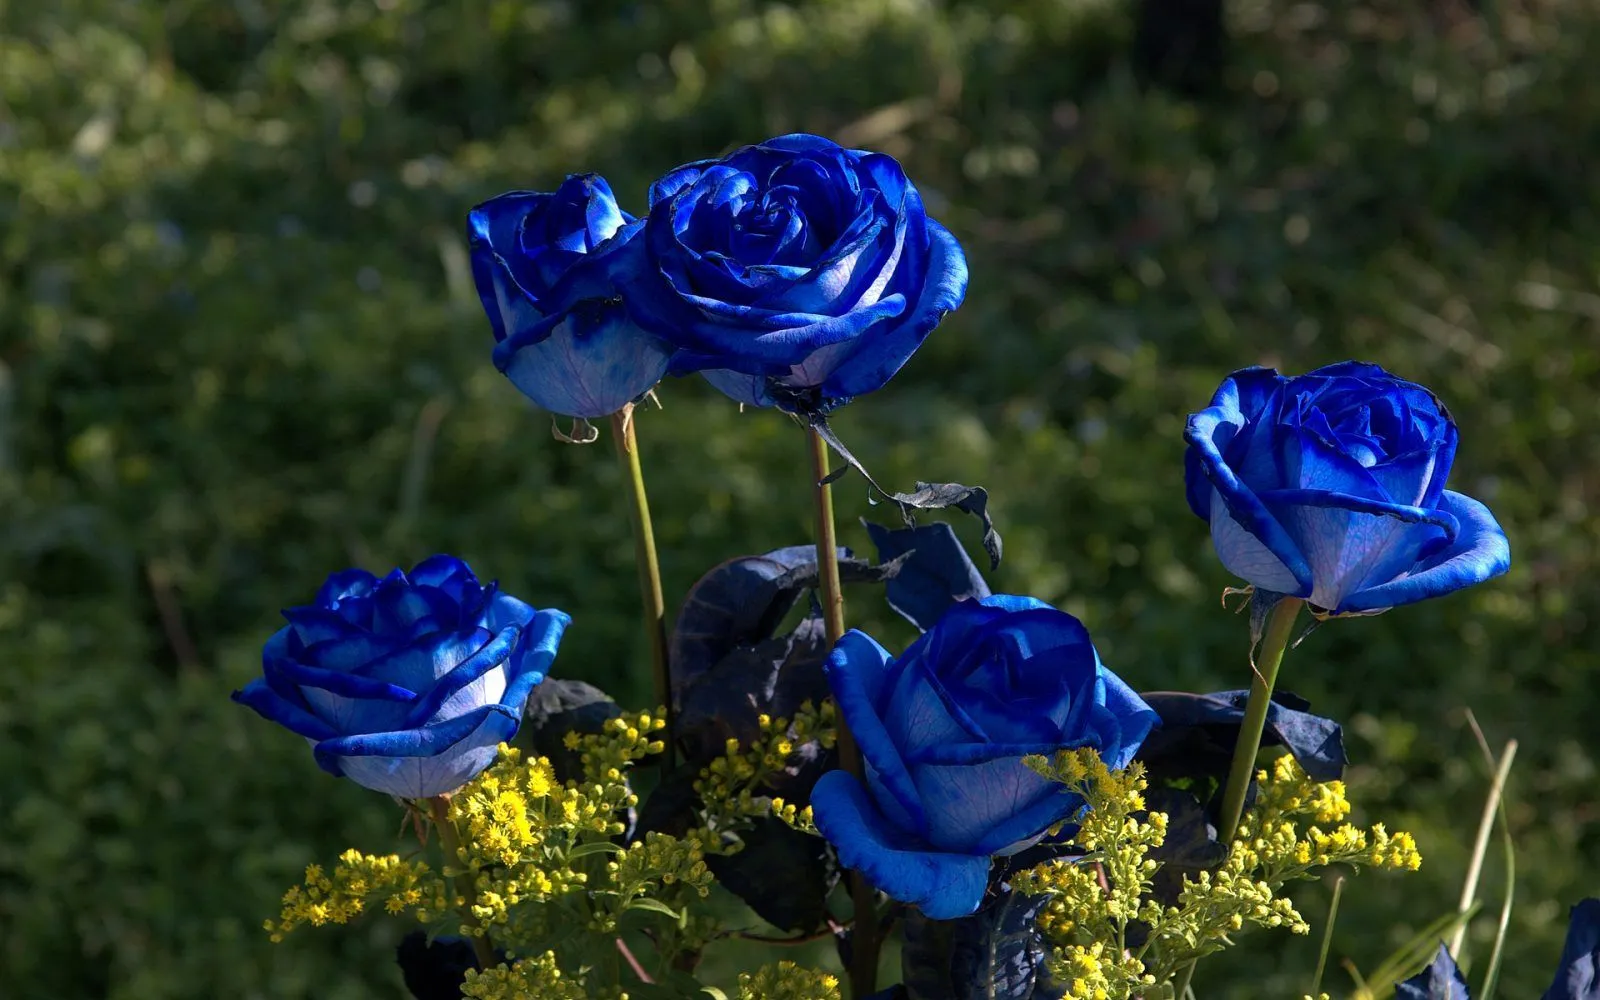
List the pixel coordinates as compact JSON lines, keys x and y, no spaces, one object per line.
{"x":659,"y":860}
{"x":338,"y":898}
{"x":536,"y":978}
{"x":788,"y":981}
{"x":1094,"y":900}
{"x":729,"y":787}
{"x":498,"y":811}
{"x":1088,"y":973}
{"x":533,"y":859}
{"x":518,"y":826}
{"x":1270,"y":839}
{"x":608,"y":754}
{"x":801,"y":819}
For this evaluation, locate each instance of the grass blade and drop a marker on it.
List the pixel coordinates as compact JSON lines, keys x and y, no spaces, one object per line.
{"x":1412,"y":955}
{"x":1491,"y":976}
{"x":1327,"y":936}
{"x":1491,"y":806}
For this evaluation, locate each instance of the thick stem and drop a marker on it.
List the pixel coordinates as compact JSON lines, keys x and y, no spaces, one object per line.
{"x":1280,"y":625}
{"x":450,"y":841}
{"x":864,"y":939}
{"x":644,"y":548}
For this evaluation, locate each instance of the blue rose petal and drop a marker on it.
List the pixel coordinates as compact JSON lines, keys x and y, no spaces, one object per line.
{"x":943,"y":885}
{"x":1578,"y":974}
{"x":549,"y":269}
{"x":1480,"y":552}
{"x":791,"y":269}
{"x":1441,"y":980}
{"x":943,"y":729}
{"x":416,"y":702}
{"x":1330,"y":487}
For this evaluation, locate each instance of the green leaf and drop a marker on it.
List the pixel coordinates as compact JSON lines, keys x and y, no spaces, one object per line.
{"x":1414,"y":954}
{"x":654,"y":906}
{"x":593,"y":847}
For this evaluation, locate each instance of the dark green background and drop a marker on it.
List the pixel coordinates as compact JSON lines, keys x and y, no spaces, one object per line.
{"x":239,"y":348}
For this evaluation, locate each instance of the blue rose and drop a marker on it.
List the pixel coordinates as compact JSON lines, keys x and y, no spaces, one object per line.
{"x":408,"y":684}
{"x":1330,"y":487}
{"x":542,"y":263}
{"x":795,"y":272}
{"x":1578,"y":973}
{"x":943,"y":730}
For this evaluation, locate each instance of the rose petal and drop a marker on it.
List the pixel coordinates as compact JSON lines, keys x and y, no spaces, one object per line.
{"x":943,"y":885}
{"x":1480,"y":551}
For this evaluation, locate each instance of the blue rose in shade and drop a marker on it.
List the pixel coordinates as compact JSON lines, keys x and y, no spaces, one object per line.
{"x":407,"y":684}
{"x":1439,"y":980}
{"x":1329,"y":486}
{"x":1578,"y":973}
{"x":795,"y":272}
{"x":943,"y":730}
{"x":543,"y":264}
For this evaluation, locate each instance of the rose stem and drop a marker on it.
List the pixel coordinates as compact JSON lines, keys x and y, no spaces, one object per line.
{"x":1279,"y":626}
{"x":644,"y":550}
{"x":864,"y":938}
{"x":450,"y":841}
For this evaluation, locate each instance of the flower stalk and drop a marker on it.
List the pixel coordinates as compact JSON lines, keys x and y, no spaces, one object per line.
{"x":1280,"y":625}
{"x":450,"y":842}
{"x":864,"y":941}
{"x":650,"y":594}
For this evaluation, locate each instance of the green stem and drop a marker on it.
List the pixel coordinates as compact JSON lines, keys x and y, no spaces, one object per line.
{"x":644,"y":548}
{"x":864,"y":943}
{"x":1280,"y":625}
{"x":450,"y":841}
{"x":1327,"y":937}
{"x":1180,"y":986}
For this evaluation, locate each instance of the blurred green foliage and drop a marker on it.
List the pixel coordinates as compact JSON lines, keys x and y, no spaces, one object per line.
{"x":239,"y":348}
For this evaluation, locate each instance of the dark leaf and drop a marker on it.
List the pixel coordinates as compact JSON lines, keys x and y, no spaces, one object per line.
{"x":996,"y":954}
{"x":1191,"y":845}
{"x":895,"y":992}
{"x":435,"y":970}
{"x":774,"y":676}
{"x":1198,"y":731}
{"x":1441,"y":980}
{"x":936,"y":572}
{"x":671,"y":806}
{"x":782,"y":874}
{"x":742,"y":601}
{"x":973,"y":500}
{"x":559,"y":706}
{"x":1578,"y":975}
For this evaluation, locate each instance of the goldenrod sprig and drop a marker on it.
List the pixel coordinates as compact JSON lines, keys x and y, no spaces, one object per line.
{"x":1096,"y":902}
{"x":730,"y":787}
{"x":788,"y":981}
{"x":356,"y":879}
{"x":535,"y":978}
